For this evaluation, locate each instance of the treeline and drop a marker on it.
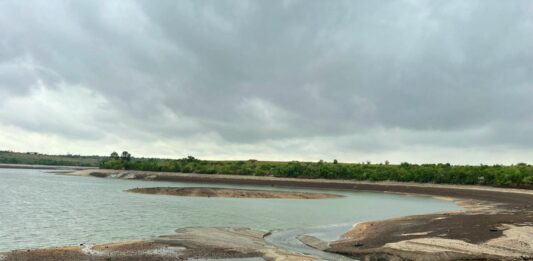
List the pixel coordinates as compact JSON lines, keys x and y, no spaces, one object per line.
{"x":517,"y":176}
{"x":34,"y":158}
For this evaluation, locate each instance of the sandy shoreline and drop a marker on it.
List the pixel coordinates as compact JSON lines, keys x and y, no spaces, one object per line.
{"x":496,"y":223}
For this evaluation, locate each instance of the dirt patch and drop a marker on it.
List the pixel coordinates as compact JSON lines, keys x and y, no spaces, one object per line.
{"x":231,"y":193}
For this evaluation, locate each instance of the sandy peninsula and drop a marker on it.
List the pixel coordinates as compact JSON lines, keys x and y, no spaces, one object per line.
{"x":495,"y":223}
{"x":231,"y":193}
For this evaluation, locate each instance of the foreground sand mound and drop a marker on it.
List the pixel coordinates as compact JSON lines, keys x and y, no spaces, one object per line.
{"x":231,"y":193}
{"x":186,"y":244}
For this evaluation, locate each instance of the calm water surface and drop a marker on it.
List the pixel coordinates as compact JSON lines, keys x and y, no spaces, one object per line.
{"x":40,"y":209}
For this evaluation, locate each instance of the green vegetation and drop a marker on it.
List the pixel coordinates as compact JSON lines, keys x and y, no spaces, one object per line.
{"x":518,"y":176}
{"x":34,"y":158}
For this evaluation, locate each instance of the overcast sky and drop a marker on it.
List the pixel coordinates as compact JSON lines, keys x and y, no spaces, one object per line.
{"x":417,"y":81}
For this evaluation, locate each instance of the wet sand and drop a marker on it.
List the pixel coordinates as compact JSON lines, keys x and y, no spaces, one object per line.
{"x":231,"y":193}
{"x":496,"y":223}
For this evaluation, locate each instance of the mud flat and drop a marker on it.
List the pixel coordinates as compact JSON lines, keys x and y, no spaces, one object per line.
{"x":187,"y":243}
{"x":496,"y":223}
{"x":231,"y":193}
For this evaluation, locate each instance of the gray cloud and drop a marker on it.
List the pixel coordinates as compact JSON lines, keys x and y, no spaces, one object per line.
{"x":352,"y":76}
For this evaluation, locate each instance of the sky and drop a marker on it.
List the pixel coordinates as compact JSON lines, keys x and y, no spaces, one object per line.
{"x":416,"y":81}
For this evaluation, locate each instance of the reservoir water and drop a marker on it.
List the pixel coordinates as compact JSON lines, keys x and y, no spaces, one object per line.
{"x":41,"y":209}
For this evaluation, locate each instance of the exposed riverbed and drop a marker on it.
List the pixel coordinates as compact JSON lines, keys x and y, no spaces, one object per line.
{"x":40,"y":209}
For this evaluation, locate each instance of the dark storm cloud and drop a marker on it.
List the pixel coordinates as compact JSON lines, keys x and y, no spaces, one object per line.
{"x":444,"y":73}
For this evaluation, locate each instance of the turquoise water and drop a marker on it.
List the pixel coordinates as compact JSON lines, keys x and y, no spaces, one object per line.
{"x":40,"y":209}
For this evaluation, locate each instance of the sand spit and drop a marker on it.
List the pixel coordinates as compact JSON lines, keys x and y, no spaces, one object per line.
{"x":187,"y":243}
{"x":231,"y":193}
{"x":495,"y":224}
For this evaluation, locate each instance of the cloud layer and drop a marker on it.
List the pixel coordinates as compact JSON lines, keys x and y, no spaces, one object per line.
{"x":418,"y":81}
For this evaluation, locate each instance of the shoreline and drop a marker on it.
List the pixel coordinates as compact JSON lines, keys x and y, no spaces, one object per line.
{"x":496,"y":223}
{"x":47,"y":167}
{"x":381,"y":186}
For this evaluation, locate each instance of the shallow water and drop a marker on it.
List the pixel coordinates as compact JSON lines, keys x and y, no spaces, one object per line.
{"x":40,"y":209}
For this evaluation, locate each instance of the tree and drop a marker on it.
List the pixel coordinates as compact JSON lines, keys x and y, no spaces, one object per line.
{"x":126,"y":156}
{"x":114,"y":155}
{"x":335,"y":161}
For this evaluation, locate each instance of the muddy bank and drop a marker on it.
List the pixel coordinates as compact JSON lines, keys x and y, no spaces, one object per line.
{"x":231,"y":193}
{"x":445,"y":236}
{"x":187,"y":243}
{"x":495,"y":225}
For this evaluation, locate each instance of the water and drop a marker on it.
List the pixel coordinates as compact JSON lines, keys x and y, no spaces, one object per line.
{"x":40,"y":209}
